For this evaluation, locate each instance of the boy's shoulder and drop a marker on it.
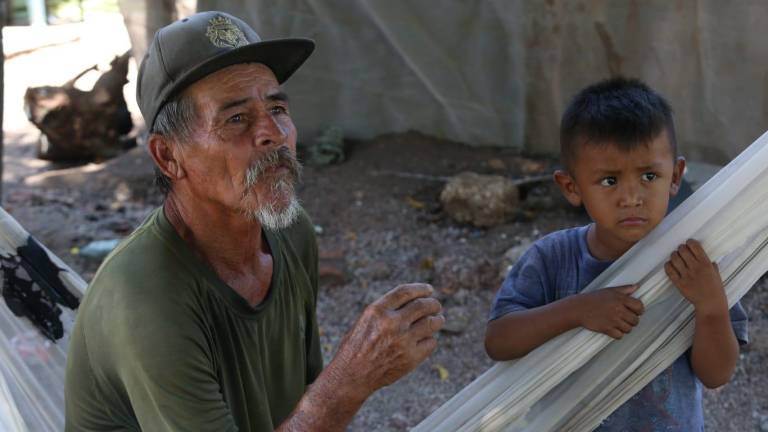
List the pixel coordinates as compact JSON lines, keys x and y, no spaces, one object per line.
{"x":559,"y":245}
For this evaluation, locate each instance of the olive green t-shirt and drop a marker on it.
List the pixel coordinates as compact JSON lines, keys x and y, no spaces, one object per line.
{"x":162,"y":344}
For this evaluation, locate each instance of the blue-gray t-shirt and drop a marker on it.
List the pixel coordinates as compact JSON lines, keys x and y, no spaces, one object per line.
{"x":559,"y":265}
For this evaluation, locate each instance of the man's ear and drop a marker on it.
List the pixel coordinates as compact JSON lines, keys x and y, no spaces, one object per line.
{"x":166,"y":157}
{"x":677,"y":176}
{"x":568,"y":187}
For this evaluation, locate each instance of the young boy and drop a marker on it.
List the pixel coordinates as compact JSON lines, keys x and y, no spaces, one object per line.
{"x":619,"y":160}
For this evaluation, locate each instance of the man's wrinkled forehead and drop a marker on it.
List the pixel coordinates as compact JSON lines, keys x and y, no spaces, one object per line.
{"x":234,"y":85}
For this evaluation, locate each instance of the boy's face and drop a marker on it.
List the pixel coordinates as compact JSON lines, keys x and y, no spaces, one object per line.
{"x":626,"y":193}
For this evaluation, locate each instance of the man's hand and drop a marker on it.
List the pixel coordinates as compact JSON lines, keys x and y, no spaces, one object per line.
{"x":391,"y":337}
{"x":697,"y":278}
{"x":611,"y":311}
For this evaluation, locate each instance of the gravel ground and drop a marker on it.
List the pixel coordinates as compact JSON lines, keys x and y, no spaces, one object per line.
{"x":379,"y":222}
{"x":384,"y":228}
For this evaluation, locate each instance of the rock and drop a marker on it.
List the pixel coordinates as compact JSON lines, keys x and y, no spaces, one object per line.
{"x":480,"y":200}
{"x":497,"y":164}
{"x":512,"y":255}
{"x":97,"y":249}
{"x":764,"y":425}
{"x":332,"y":269}
{"x":379,"y":270}
{"x":453,"y":273}
{"x":456,"y":320}
{"x":399,"y":421}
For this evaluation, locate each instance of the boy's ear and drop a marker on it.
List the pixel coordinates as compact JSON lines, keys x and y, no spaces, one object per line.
{"x":568,"y":187}
{"x":166,"y":157}
{"x":677,"y":176}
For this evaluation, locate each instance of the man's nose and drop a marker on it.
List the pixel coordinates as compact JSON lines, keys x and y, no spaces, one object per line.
{"x":268,"y":131}
{"x":631,"y":195}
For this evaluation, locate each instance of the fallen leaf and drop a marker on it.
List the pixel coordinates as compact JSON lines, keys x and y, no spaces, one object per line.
{"x":418,"y":205}
{"x":442,"y":371}
{"x":427,"y":263}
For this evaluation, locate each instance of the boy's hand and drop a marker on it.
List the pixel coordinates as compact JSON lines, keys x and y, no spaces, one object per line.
{"x":696,"y":277}
{"x":611,"y":311}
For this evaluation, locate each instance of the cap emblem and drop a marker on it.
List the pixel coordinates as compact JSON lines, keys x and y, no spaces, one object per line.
{"x":224,"y":34}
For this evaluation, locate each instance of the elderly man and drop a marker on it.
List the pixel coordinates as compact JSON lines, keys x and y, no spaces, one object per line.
{"x":204,"y":318}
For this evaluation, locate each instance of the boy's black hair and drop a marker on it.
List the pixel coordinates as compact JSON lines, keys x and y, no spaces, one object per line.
{"x":624,"y":111}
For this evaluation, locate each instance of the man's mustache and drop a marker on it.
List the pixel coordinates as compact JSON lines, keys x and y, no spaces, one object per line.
{"x":280,"y":157}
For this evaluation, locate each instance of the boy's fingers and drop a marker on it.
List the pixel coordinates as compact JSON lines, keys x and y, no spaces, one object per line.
{"x":697,"y":250}
{"x":678,"y":263}
{"x":635,"y":305}
{"x":627,"y":289}
{"x":631,"y":319}
{"x":671,"y":271}
{"x":624,"y":327}
{"x":687,"y":255}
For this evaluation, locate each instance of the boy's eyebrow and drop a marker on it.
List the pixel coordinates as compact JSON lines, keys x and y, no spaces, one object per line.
{"x":651,"y":166}
{"x":605,"y":171}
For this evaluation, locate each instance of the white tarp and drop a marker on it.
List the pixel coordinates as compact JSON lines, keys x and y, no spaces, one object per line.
{"x":498,"y":72}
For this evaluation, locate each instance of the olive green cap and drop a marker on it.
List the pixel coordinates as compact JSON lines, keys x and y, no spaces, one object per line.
{"x":192,"y":48}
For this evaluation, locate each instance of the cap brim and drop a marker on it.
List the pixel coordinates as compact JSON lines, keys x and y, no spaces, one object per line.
{"x":282,"y":56}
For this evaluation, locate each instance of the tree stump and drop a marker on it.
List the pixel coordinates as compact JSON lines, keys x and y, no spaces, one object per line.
{"x":81,"y":125}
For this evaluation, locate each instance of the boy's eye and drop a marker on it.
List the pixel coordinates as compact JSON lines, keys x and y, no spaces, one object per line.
{"x":608,"y":181}
{"x":649,"y":176}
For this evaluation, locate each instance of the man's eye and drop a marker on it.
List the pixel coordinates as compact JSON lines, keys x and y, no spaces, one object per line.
{"x":608,"y":181}
{"x":237,"y":118}
{"x":649,"y":176}
{"x":279,"y":109}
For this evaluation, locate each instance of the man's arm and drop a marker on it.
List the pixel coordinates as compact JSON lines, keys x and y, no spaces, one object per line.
{"x":715,"y":349}
{"x":391,"y":337}
{"x":611,"y":311}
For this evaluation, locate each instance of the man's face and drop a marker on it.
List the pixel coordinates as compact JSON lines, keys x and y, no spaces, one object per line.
{"x":626,"y":193}
{"x":242,"y":152}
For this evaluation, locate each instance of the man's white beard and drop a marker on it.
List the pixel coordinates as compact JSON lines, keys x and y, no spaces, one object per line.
{"x":275,"y":217}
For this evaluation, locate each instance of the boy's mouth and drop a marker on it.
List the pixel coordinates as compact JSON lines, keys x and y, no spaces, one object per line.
{"x":633,"y":221}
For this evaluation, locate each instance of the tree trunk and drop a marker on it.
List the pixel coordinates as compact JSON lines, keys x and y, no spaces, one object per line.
{"x":79,"y":125}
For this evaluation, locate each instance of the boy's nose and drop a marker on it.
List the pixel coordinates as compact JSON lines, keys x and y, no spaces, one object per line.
{"x":631,"y":196}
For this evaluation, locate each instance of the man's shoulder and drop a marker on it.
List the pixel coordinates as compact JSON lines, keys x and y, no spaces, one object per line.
{"x":145,"y":265}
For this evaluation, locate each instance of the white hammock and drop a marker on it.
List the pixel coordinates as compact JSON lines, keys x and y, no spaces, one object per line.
{"x":32,"y":367}
{"x":577,"y":379}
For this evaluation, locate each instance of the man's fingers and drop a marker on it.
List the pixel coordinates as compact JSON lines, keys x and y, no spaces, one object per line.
{"x":427,"y":326}
{"x":615,"y":333}
{"x":419,"y":308}
{"x":399,"y":296}
{"x":425,"y":347}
